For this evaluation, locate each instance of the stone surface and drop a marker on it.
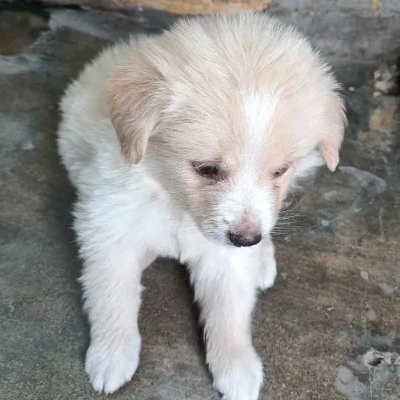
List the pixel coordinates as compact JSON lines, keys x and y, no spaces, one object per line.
{"x":320,"y":316}
{"x":26,"y":27}
{"x":376,"y":376}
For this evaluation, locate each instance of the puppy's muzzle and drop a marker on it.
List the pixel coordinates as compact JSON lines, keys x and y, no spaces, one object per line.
{"x":247,"y":233}
{"x":244,"y":241}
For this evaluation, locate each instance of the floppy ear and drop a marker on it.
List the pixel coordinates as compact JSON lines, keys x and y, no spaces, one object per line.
{"x":134,"y":105}
{"x":332,"y":141}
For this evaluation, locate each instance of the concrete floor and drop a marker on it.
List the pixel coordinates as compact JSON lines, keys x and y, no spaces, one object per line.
{"x":337,"y":295}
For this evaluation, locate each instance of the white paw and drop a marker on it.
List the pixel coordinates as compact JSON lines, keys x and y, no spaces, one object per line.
{"x":238,"y":378}
{"x":111,"y":365}
{"x":267,"y":274}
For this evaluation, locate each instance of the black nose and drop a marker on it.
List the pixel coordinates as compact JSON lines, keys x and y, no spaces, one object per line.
{"x":244,"y":240}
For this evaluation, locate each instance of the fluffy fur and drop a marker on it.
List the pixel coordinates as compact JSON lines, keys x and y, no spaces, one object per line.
{"x":184,"y":145}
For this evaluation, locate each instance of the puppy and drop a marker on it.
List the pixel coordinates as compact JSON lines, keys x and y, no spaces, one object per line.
{"x":184,"y":145}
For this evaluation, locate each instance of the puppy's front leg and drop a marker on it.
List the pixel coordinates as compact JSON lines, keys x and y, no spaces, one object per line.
{"x":267,"y":271}
{"x":112,"y":291}
{"x":226,"y":292}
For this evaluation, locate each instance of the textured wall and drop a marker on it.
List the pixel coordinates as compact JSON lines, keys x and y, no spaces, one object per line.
{"x":209,"y":6}
{"x":173,"y":6}
{"x":351,"y":29}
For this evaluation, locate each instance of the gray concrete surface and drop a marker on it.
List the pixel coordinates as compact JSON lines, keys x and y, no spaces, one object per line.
{"x":329,"y":329}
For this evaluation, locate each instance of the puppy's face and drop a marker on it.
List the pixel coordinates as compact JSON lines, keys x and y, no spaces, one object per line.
{"x":227,"y":142}
{"x":226,"y":160}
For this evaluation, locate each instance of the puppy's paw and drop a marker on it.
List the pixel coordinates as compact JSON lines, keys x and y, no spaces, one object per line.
{"x":240,"y":377}
{"x":267,"y":274}
{"x":111,"y":365}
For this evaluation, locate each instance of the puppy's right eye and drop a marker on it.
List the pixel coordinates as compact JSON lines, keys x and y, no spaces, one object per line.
{"x":207,"y":170}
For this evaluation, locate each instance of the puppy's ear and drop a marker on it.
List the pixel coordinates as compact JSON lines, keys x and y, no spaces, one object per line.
{"x":134,"y":105}
{"x":332,"y":141}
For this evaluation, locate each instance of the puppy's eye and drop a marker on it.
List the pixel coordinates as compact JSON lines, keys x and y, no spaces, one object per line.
{"x":207,"y":170}
{"x":280,"y":172}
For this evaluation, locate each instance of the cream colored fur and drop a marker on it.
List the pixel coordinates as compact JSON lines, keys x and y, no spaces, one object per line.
{"x":241,"y":94}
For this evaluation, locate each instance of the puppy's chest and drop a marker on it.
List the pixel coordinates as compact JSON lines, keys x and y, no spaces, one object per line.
{"x":179,"y":239}
{"x":191,"y":243}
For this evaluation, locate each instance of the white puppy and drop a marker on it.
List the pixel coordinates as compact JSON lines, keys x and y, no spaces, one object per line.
{"x":184,"y":145}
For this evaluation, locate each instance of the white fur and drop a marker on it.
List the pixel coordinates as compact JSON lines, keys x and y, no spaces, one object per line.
{"x":126,"y":215}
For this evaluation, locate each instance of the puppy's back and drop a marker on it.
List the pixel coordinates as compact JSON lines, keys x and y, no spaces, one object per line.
{"x":86,"y":131}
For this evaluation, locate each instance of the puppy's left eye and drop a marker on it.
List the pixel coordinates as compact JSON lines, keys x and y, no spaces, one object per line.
{"x":280,"y":172}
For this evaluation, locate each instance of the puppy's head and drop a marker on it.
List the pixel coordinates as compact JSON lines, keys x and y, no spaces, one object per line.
{"x":226,"y":112}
